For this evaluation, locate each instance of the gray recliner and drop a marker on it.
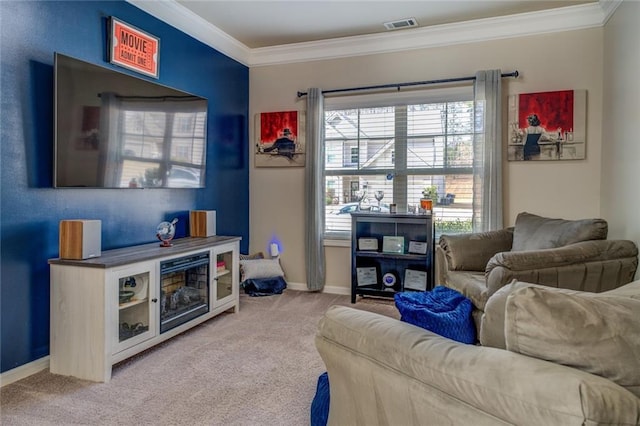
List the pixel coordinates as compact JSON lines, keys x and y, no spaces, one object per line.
{"x":571,"y":254}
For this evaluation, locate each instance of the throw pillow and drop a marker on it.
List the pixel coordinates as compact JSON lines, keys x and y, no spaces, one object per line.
{"x":534,"y":232}
{"x":593,"y":332}
{"x":258,"y":255}
{"x":260,"y":268}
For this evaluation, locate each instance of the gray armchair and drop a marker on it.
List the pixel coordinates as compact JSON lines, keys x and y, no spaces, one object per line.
{"x":571,"y":254}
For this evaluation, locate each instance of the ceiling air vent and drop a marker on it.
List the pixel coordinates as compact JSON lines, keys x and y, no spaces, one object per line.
{"x":402,"y":23}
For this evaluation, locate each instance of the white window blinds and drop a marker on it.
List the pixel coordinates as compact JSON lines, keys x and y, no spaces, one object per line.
{"x":386,"y":149}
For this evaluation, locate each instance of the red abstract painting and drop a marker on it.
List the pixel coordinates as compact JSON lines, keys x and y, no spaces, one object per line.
{"x":273,"y":125}
{"x":554,"y":109}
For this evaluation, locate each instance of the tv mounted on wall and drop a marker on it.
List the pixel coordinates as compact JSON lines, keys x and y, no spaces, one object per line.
{"x":114,"y":130}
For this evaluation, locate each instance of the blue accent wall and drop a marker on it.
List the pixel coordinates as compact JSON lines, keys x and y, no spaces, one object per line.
{"x":31,"y":31}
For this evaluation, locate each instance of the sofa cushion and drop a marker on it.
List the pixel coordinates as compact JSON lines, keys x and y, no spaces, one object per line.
{"x":534,"y":232}
{"x":594,"y":332}
{"x":471,"y":285}
{"x":631,"y":290}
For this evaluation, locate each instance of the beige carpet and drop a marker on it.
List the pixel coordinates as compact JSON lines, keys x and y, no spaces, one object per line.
{"x":257,"y":367}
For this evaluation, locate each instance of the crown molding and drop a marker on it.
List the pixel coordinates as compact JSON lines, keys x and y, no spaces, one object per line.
{"x":519,"y":25}
{"x":608,"y":7}
{"x":568,"y":18}
{"x":178,"y":16}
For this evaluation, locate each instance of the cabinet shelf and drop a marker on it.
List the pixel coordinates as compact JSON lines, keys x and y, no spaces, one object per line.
{"x":222,"y":273}
{"x":376,"y":226}
{"x":382,"y":255}
{"x":132,"y":302}
{"x":378,"y":292}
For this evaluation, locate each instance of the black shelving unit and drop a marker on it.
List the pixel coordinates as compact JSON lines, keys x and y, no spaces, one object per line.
{"x":370,"y":261}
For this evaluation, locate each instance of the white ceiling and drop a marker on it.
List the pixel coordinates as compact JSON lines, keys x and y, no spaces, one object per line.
{"x":272,"y":23}
{"x":264,"y":32}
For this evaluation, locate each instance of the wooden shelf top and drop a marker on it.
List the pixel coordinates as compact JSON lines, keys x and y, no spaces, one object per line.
{"x":388,"y":216}
{"x":140,"y":253}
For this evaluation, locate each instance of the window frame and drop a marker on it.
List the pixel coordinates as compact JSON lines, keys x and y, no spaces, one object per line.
{"x":399,"y":168}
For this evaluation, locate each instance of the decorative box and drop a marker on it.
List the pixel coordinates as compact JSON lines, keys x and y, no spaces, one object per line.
{"x":415,"y":280}
{"x":367,"y":243}
{"x":417,"y":247}
{"x":393,"y":244}
{"x":367,"y":276}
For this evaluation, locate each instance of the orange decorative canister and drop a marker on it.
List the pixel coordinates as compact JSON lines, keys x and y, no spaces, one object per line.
{"x":426,"y":203}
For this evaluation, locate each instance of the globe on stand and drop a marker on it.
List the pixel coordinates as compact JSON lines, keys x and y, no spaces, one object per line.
{"x":165,"y":232}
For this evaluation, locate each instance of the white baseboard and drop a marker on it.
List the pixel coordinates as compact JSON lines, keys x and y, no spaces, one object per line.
{"x":327,"y":288}
{"x":336,"y":290}
{"x":23,"y":371}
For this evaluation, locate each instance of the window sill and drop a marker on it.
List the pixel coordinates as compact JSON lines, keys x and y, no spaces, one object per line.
{"x":334,"y":242}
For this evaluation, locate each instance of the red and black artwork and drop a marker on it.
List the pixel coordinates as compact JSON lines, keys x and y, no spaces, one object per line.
{"x":279,"y":143}
{"x":547,"y":126}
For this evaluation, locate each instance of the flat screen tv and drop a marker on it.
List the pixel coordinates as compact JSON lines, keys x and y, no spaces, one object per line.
{"x":114,"y":130}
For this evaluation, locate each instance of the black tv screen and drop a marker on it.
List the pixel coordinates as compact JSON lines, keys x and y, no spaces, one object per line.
{"x":113,"y":130}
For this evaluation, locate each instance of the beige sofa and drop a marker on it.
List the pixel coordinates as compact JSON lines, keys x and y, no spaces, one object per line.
{"x":561,"y":357}
{"x":573,"y":254}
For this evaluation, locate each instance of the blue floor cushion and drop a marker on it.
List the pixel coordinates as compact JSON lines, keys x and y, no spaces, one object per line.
{"x":320,"y":403}
{"x":264,"y":286}
{"x":442,"y":310}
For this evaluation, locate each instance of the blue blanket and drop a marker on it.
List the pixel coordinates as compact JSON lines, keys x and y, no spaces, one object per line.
{"x":320,"y":403}
{"x":441,"y":310}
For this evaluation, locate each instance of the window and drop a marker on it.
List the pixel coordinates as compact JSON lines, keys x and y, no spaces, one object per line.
{"x":355,"y":153}
{"x":159,"y":143}
{"x":380,"y":151}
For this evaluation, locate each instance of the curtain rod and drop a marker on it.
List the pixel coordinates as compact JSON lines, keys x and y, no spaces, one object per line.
{"x":514,"y":74}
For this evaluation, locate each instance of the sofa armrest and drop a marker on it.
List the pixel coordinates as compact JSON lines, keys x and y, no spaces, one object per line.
{"x":585,"y":251}
{"x":492,"y":330}
{"x":471,"y":252}
{"x":441,"y":265}
{"x":384,"y":371}
{"x":596,"y":266}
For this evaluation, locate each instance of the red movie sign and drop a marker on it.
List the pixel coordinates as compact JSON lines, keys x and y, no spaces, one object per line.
{"x":134,"y":49}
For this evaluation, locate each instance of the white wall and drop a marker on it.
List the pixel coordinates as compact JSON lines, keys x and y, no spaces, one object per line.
{"x":621,"y":116}
{"x":559,"y":61}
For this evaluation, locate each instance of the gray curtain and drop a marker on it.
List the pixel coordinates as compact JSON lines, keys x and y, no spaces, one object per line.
{"x":110,"y":162}
{"x":314,"y":190}
{"x":487,"y":174}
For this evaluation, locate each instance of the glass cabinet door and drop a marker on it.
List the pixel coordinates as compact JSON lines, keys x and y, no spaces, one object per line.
{"x":225,"y":274}
{"x":135,"y":319}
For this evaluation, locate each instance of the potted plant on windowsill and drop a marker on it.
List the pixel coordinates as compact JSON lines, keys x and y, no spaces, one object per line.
{"x":429,"y":197}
